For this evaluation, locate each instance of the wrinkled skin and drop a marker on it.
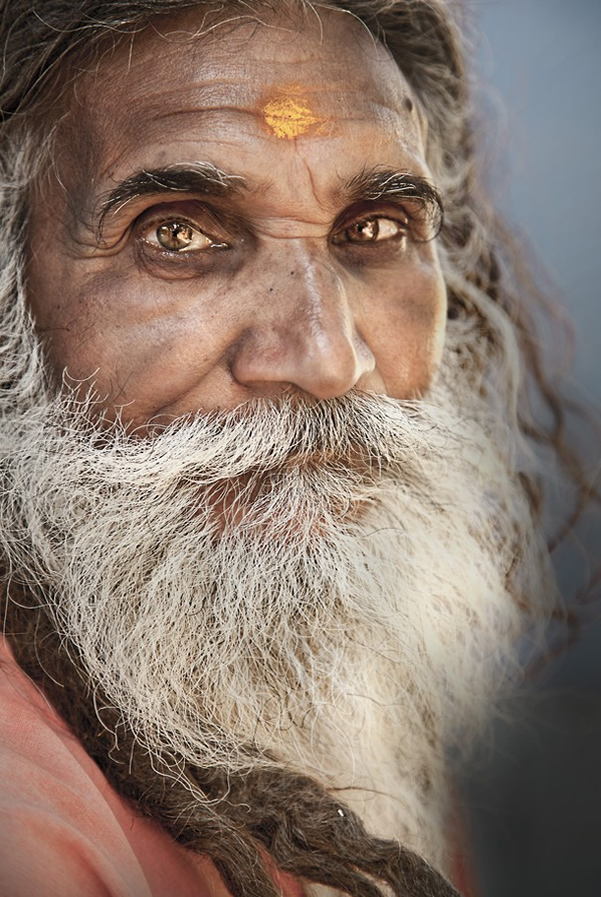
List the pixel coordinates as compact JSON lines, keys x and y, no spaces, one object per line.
{"x":189,"y":302}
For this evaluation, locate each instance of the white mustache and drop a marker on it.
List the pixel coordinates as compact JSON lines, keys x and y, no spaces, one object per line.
{"x":363,"y":431}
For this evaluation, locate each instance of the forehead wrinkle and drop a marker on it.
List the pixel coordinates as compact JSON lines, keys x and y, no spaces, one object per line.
{"x":195,"y":70}
{"x":216,"y":95}
{"x":197,"y":79}
{"x":143,"y":144}
{"x":192,"y":126}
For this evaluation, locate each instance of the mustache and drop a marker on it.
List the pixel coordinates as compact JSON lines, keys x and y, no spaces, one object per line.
{"x":363,"y":431}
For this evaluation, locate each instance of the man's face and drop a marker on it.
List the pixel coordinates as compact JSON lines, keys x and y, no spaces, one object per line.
{"x":307,"y":269}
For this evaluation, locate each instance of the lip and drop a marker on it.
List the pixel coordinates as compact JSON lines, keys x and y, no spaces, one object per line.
{"x":355,"y":459}
{"x":237,"y":503}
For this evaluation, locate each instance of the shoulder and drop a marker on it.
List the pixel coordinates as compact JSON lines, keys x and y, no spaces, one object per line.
{"x":59,"y":830}
{"x":64,"y":832}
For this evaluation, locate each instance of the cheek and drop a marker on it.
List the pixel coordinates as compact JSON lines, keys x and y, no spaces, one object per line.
{"x":134,"y":338}
{"x":407,"y":331}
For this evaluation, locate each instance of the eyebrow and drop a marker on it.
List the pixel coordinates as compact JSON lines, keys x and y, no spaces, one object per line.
{"x":200,"y":178}
{"x":384,"y":183}
{"x":206,"y":179}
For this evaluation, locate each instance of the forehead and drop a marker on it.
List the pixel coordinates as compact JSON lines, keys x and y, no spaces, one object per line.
{"x":244,"y":94}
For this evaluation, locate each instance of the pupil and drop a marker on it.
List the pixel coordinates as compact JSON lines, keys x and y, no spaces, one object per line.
{"x":175,"y":235}
{"x":367,"y":230}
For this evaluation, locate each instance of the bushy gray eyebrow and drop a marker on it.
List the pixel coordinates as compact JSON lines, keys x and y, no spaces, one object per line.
{"x":202,"y":178}
{"x":207,"y":180}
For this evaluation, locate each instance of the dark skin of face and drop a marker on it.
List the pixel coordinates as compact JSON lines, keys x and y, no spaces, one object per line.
{"x":174,"y":295}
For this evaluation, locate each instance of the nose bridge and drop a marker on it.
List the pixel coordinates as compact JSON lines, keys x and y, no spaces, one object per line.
{"x":305,"y":334}
{"x":320,"y":299}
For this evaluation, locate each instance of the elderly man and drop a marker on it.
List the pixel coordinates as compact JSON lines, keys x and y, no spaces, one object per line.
{"x":267,"y":540}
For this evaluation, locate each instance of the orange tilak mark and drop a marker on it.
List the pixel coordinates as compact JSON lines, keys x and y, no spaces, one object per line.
{"x":289,"y":118}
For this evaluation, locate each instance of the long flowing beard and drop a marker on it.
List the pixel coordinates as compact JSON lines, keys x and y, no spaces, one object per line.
{"x":321,"y":585}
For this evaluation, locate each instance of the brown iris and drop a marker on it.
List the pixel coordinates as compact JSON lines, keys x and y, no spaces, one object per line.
{"x":175,"y":235}
{"x":364,"y":231}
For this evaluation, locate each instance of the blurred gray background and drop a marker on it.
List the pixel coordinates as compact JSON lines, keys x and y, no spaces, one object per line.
{"x":535,"y":802}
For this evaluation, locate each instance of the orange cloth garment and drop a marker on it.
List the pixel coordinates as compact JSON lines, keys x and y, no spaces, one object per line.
{"x":64,"y":832}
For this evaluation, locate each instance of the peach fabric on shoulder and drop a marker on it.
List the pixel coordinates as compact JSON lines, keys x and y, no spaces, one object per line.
{"x":64,"y":832}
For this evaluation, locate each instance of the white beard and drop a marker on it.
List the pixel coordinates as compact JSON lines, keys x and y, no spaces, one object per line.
{"x":323,"y":583}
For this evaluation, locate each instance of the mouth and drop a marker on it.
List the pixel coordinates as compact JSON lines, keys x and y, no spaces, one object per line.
{"x":303,"y":494}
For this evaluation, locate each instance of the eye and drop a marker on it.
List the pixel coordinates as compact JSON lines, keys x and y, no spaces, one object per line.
{"x":374,"y":229}
{"x":174,"y":231}
{"x":177,"y":235}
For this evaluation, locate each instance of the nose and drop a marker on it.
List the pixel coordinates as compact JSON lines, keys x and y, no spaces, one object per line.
{"x":303,"y":333}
